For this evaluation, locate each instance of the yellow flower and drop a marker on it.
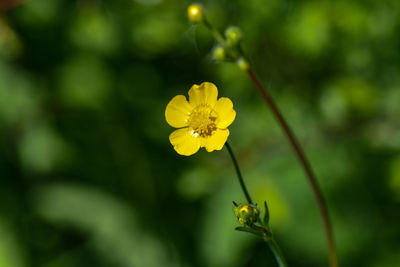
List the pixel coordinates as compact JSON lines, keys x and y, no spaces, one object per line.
{"x":203,"y":121}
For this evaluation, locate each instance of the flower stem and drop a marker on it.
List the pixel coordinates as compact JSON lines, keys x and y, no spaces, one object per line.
{"x":217,"y":35}
{"x":276,"y":250}
{"x":268,"y":238}
{"x":239,"y":174}
{"x":304,"y":163}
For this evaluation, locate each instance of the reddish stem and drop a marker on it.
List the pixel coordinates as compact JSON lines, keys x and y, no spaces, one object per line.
{"x":8,"y":4}
{"x":305,"y":164}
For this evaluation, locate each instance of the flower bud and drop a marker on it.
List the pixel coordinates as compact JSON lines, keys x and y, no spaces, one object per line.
{"x":219,"y":53}
{"x":247,"y":214}
{"x":233,"y":35}
{"x":195,"y":13}
{"x":243,"y":64}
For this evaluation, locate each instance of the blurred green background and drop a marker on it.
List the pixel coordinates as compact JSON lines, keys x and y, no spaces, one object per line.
{"x":89,"y":178}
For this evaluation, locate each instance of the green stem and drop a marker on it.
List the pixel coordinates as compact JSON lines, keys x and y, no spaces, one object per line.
{"x":239,"y":174}
{"x":217,"y":35}
{"x":276,"y":250}
{"x":304,"y":163}
{"x":267,"y":233}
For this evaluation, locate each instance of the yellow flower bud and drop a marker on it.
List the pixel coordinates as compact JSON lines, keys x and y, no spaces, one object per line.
{"x":219,"y":53}
{"x":195,"y":13}
{"x":247,"y":214}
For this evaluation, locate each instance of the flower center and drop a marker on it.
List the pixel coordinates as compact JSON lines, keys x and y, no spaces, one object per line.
{"x":202,"y":121}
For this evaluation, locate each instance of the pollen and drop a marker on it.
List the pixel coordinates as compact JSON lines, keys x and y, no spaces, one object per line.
{"x":202,"y":121}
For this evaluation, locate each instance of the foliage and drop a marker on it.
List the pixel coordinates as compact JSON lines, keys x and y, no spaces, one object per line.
{"x":89,"y":178}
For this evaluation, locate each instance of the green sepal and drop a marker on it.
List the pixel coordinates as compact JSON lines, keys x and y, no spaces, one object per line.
{"x":266,"y":215}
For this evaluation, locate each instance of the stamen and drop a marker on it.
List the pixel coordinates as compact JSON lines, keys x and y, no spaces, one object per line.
{"x":202,"y":121}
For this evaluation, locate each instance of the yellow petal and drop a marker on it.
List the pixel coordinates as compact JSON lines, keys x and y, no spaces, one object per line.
{"x":225,"y":111}
{"x":184,"y":142}
{"x":205,"y":93}
{"x":177,"y":111}
{"x":216,"y":141}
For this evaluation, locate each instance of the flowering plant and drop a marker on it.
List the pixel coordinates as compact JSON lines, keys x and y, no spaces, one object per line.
{"x":203,"y":122}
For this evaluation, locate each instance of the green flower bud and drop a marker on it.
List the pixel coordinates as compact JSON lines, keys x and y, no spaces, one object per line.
{"x":195,"y":13}
{"x":219,"y":53}
{"x":243,"y":64}
{"x":247,"y":214}
{"x":233,"y":35}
